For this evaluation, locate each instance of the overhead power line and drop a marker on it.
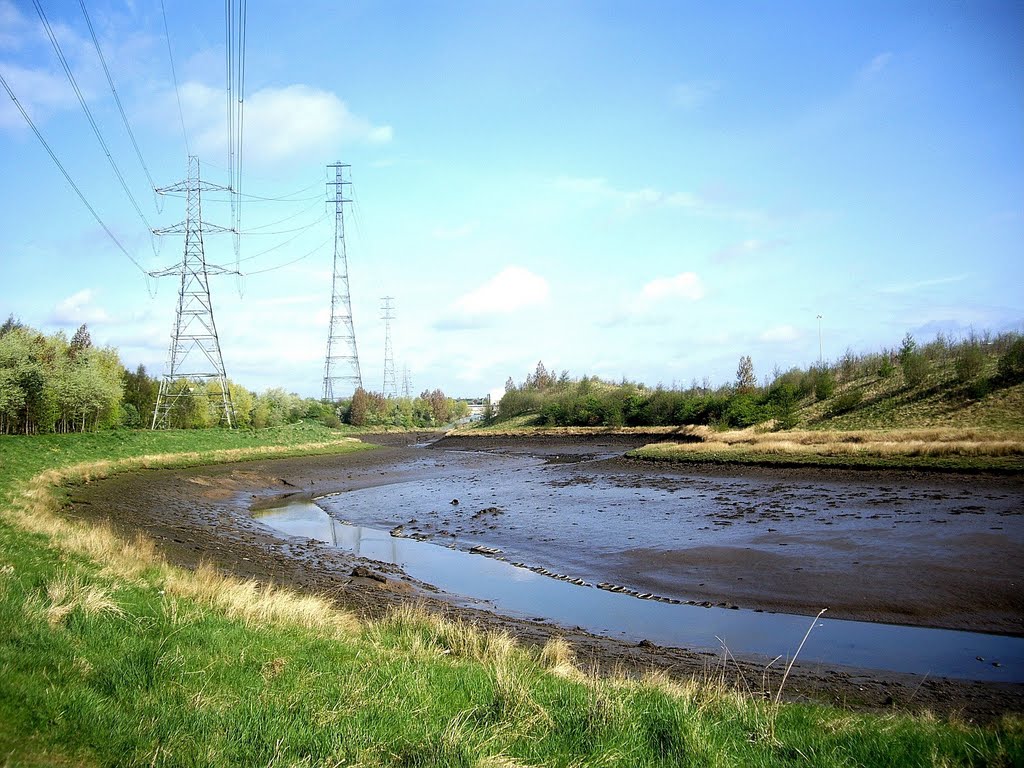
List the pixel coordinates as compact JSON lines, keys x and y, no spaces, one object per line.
{"x":293,"y":261}
{"x":174,"y":77}
{"x":67,"y":176}
{"x":88,"y":112}
{"x":120,"y":107}
{"x":234,"y":75}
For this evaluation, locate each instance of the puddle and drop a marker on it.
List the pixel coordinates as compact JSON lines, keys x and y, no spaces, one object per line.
{"x":499,"y":586}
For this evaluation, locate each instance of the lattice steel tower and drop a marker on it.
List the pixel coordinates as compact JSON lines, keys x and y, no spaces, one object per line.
{"x":194,"y":356}
{"x":342,"y":363}
{"x":406,"y":383}
{"x":390,"y":385}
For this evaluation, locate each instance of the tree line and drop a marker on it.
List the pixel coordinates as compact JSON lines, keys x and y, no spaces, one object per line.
{"x":49,"y":383}
{"x":968,"y":368}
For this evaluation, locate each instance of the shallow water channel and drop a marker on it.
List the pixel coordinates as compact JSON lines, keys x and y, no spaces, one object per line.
{"x":559,"y":518}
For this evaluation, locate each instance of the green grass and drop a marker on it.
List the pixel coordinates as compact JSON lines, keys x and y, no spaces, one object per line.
{"x":104,"y":662}
{"x":940,"y":401}
{"x":968,"y":464}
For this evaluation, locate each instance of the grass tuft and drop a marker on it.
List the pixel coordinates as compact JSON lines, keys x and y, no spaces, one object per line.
{"x":68,"y":593}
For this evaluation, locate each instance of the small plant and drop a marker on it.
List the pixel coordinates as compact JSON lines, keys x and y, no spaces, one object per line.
{"x":913,"y":363}
{"x":969,"y":363}
{"x":1011,"y":362}
{"x":846,"y":402}
{"x":824,"y":384}
{"x":886,"y":368}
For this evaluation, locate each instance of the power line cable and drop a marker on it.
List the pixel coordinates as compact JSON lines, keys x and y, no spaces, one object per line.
{"x":293,"y":261}
{"x":283,"y":243}
{"x":286,"y":218}
{"x":70,"y":181}
{"x":242,"y":18}
{"x":88,"y":112}
{"x":303,"y":228}
{"x":157,"y":200}
{"x":174,"y":76}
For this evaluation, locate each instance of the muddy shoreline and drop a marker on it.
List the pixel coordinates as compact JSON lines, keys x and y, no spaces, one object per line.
{"x":203,"y":514}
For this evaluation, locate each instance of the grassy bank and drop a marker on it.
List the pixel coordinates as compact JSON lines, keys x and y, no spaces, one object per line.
{"x":960,"y":450}
{"x":110,"y":656}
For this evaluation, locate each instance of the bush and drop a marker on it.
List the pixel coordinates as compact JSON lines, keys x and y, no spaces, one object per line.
{"x":824,"y":384}
{"x":742,"y":411}
{"x":969,"y":363}
{"x":1011,"y":363}
{"x":846,"y":402}
{"x":915,"y":369}
{"x":886,"y":368}
{"x":782,"y":401}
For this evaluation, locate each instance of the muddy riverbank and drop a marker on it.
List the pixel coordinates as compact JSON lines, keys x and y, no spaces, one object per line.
{"x":204,"y":514}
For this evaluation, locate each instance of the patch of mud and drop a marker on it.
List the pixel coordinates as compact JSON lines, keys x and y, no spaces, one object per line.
{"x":203,"y":515}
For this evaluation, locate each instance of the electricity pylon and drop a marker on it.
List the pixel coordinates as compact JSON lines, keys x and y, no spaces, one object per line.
{"x":194,"y":357}
{"x":342,"y":362}
{"x":390,"y":385}
{"x":406,"y":383}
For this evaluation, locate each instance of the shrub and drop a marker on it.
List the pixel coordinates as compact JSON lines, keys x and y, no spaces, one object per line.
{"x":824,"y":384}
{"x":742,"y":411}
{"x":1011,"y":362}
{"x":969,"y":363}
{"x":915,"y":369}
{"x":886,"y":368}
{"x":846,"y":402}
{"x":782,"y":402}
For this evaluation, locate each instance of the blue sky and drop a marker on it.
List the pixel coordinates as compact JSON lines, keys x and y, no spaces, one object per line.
{"x":647,"y":190}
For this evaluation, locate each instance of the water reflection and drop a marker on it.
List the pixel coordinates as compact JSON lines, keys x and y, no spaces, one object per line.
{"x":510,"y":590}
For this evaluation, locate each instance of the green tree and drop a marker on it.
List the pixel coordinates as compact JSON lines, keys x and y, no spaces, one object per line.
{"x":912,"y":362}
{"x":140,"y":392}
{"x":746,"y":381}
{"x":1011,"y":362}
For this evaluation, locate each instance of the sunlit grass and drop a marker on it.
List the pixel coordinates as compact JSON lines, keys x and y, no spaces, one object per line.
{"x":109,"y":655}
{"x":942,"y":448}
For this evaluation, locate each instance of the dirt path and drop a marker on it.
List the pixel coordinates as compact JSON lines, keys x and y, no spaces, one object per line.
{"x":203,"y":515}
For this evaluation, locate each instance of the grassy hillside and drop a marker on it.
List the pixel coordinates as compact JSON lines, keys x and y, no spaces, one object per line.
{"x":946,"y":405}
{"x":111,"y":656}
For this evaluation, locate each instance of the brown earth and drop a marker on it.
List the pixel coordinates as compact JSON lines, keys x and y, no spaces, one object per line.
{"x":203,"y":514}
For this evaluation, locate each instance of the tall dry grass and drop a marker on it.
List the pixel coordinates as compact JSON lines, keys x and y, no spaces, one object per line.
{"x":937,"y":442}
{"x":35,"y":507}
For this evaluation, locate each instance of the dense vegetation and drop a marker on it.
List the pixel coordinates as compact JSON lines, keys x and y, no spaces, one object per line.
{"x":854,"y":390}
{"x":49,"y":384}
{"x":110,"y":656}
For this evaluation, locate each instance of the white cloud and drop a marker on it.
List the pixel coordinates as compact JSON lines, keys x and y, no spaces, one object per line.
{"x":747,"y":248}
{"x":280,"y":124}
{"x":79,"y":308}
{"x":918,"y":285}
{"x":13,"y":26}
{"x":653,"y":305}
{"x":693,"y":93}
{"x":508,"y":291}
{"x":454,"y":233}
{"x":780,"y":333}
{"x":876,"y":65}
{"x":597,"y":190}
{"x":686,"y":286}
{"x":40,"y":92}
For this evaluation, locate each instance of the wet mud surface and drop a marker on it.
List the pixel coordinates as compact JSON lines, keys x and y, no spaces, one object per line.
{"x":930,"y":550}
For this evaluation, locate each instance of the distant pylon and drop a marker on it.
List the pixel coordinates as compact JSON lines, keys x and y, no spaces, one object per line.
{"x":406,"y":383}
{"x":194,"y":356}
{"x":342,"y":362}
{"x":390,"y":386}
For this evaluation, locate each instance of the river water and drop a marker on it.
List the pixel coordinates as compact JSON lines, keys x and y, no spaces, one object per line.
{"x":561,"y":517}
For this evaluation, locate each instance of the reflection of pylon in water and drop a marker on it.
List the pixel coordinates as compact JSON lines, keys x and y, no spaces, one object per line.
{"x":390,"y":386}
{"x":194,"y":360}
{"x":342,"y":363}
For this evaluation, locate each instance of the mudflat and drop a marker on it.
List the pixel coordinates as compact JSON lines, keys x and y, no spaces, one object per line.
{"x":912,"y":548}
